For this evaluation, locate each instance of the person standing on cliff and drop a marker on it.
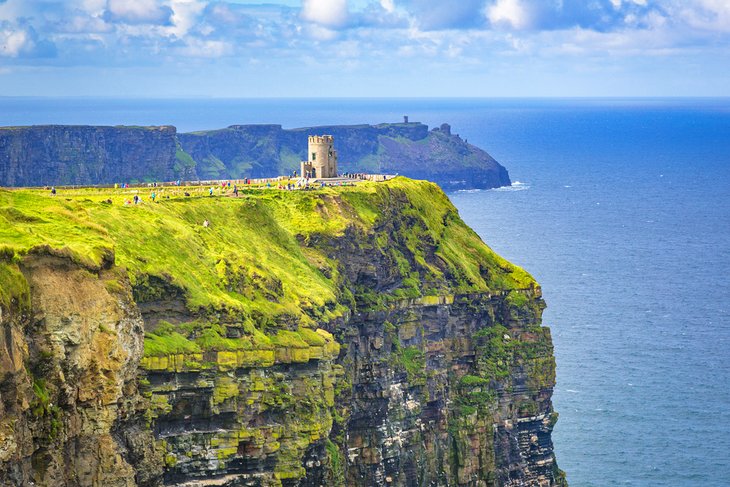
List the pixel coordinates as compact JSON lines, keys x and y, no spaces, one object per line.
{"x":235,"y":190}
{"x":53,"y":191}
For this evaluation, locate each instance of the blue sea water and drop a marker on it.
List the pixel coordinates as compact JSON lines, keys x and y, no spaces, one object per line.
{"x":621,"y":210}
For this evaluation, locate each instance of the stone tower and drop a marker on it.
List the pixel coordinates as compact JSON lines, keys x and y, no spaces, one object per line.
{"x":322,"y":158}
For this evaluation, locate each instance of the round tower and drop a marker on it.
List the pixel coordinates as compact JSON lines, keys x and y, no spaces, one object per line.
{"x":322,"y":156}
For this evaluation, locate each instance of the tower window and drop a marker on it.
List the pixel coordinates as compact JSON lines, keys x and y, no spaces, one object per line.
{"x":314,"y":156}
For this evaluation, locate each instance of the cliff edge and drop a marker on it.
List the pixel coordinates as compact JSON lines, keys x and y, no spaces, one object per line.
{"x":346,"y":336}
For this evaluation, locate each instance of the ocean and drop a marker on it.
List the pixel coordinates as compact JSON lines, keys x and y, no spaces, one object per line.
{"x":621,"y":210}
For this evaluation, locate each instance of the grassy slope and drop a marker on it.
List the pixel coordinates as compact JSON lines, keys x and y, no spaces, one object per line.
{"x":250,"y":259}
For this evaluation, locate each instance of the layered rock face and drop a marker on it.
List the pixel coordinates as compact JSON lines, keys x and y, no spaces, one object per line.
{"x":58,"y":154}
{"x":68,"y":376}
{"x":434,"y":418}
{"x":65,"y":155}
{"x":360,"y":336}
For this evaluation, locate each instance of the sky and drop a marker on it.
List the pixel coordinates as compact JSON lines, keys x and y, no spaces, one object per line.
{"x":364,"y":48}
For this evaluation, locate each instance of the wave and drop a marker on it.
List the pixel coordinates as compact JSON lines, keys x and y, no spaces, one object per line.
{"x":516,"y":186}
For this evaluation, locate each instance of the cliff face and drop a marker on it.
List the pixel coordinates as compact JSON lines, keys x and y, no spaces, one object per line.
{"x":357,"y":336}
{"x":56,"y":155}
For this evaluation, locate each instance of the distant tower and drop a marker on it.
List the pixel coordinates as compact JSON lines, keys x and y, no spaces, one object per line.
{"x":405,"y":118}
{"x":322,"y":158}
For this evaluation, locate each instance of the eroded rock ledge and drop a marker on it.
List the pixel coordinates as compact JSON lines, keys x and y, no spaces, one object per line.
{"x":354,"y":336}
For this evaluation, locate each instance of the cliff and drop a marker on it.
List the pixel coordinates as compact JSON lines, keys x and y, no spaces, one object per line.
{"x":61,"y":154}
{"x":64,"y":155}
{"x":346,"y":336}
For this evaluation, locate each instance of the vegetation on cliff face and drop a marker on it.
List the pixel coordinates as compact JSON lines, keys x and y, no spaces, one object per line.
{"x":363,"y":329}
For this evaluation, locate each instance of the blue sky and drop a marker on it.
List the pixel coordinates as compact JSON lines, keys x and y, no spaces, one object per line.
{"x":378,"y":48}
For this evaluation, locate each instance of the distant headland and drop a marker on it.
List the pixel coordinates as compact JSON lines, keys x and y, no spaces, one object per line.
{"x":44,"y":155}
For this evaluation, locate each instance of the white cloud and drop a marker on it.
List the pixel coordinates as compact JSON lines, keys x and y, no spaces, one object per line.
{"x":712,"y":15}
{"x":185,"y":14}
{"x":94,"y":7}
{"x":617,"y":3}
{"x":138,"y":11}
{"x":328,"y":13}
{"x":13,"y":42}
{"x":13,"y":9}
{"x":320,"y":33}
{"x":511,"y":13}
{"x":387,"y":5}
{"x":206,"y":48}
{"x":85,"y":24}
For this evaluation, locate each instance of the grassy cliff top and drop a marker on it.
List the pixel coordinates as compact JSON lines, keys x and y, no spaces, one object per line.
{"x":256,"y":256}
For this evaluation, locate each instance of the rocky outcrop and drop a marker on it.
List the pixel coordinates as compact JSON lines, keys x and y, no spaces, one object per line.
{"x":354,"y":336}
{"x":65,"y":155}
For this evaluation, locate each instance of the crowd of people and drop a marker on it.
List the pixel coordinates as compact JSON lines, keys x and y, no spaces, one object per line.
{"x":230,"y":188}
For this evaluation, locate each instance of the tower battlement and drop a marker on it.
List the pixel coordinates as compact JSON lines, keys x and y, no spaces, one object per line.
{"x":321,"y":139}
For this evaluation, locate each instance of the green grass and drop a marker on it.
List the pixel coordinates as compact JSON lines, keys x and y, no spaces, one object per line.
{"x":169,"y":344}
{"x":336,"y":462}
{"x":255,"y":259}
{"x":517,"y":299}
{"x":413,"y":361}
{"x":473,"y":381}
{"x":184,"y":160}
{"x":14,"y":290}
